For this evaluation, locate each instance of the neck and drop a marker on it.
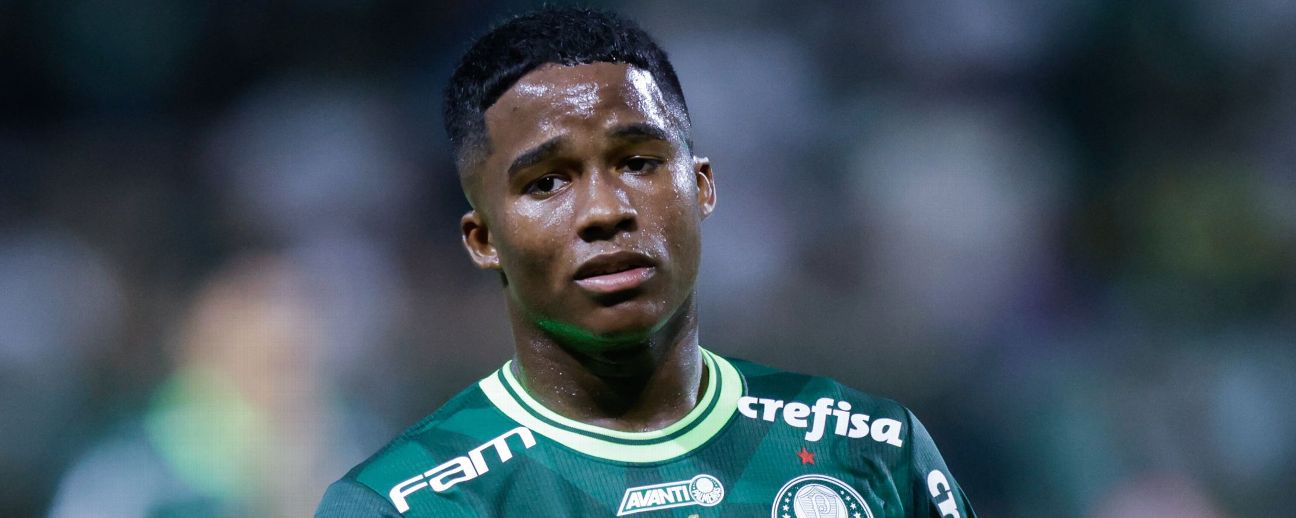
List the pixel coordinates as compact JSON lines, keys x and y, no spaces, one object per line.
{"x":630,"y":387}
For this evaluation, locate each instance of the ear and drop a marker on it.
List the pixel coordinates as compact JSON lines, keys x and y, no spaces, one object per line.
{"x":477,"y":241}
{"x":705,"y":185}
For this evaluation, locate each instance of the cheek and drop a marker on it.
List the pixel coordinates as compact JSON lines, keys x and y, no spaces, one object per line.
{"x":538,"y":216}
{"x":532,"y":239}
{"x":683,"y":183}
{"x":687,"y":247}
{"x":681,"y":223}
{"x":685,"y":201}
{"x":674,"y":197}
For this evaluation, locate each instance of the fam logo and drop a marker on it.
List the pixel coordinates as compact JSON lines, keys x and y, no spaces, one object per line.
{"x":818,"y":496}
{"x":462,"y":468}
{"x":703,"y":490}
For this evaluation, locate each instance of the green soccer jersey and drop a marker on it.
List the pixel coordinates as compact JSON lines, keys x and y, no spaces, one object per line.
{"x":761,"y":442}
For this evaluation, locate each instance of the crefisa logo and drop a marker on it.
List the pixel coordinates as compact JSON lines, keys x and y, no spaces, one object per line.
{"x":815,"y":418}
{"x":703,"y":490}
{"x":818,"y":496}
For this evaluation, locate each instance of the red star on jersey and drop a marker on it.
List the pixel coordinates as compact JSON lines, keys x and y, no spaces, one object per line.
{"x":806,"y":456}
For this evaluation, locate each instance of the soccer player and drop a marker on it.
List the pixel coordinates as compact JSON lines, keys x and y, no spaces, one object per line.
{"x":572,"y":140}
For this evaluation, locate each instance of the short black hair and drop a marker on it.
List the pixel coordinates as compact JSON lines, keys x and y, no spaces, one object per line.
{"x":560,"y":35}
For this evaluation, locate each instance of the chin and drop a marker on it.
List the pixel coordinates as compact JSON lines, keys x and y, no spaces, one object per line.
{"x":602,"y":332}
{"x":624,"y":333}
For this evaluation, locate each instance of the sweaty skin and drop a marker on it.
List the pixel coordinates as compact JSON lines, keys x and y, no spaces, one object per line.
{"x":590,"y":203}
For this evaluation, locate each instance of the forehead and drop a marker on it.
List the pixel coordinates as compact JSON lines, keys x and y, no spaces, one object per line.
{"x":555,"y":100}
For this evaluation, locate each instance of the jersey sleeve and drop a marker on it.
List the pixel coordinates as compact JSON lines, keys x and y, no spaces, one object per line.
{"x":936,"y":493}
{"x":347,"y":498}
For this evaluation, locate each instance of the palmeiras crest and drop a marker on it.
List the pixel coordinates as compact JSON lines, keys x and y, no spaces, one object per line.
{"x":818,"y":496}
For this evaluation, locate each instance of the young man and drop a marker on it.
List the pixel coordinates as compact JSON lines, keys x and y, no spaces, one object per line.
{"x":572,"y":140}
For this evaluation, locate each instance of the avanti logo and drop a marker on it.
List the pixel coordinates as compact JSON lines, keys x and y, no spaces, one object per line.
{"x":703,"y":490}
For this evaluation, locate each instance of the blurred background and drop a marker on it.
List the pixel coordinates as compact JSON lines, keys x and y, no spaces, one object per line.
{"x":1061,"y":232}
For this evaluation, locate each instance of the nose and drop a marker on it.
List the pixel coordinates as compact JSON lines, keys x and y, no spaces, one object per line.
{"x":606,"y":209}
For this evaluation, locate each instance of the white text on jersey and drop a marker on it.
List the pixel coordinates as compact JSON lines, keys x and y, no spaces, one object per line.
{"x":459,"y":469}
{"x":938,"y":484}
{"x":845,"y":423}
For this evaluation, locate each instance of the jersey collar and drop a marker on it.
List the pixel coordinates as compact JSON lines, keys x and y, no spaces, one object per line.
{"x":718,"y":403}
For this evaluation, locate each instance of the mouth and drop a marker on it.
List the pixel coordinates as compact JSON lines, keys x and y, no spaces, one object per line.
{"x":611,"y":273}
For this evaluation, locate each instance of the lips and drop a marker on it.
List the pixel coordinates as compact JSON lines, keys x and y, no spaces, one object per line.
{"x":619,"y":271}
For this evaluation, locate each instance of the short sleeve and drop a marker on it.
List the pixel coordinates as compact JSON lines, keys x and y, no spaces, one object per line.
{"x":936,"y":493}
{"x":347,"y":498}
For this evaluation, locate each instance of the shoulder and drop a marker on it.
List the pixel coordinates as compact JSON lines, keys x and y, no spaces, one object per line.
{"x":456,"y":423}
{"x":381,"y":481}
{"x":874,"y":428}
{"x":768,"y":381}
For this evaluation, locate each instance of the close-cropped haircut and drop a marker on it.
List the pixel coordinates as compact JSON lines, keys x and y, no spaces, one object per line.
{"x":558,"y":35}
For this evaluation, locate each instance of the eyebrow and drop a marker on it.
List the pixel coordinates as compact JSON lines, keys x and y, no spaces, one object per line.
{"x":535,"y":155}
{"x":633,"y":132}
{"x":640,"y":131}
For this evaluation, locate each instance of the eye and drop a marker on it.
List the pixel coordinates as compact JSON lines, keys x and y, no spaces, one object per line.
{"x":641,"y":164}
{"x":547,"y":184}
